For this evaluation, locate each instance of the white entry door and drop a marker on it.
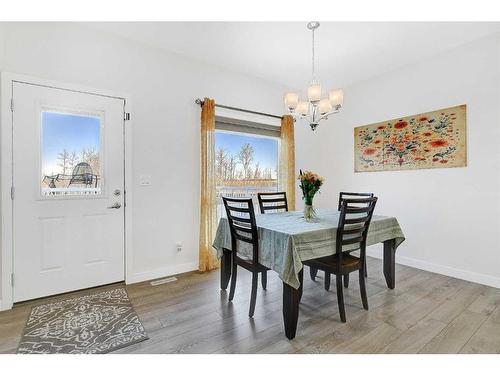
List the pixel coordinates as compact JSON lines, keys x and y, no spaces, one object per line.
{"x":68,"y":178}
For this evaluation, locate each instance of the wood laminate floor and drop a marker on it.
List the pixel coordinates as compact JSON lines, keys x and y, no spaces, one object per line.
{"x":426,"y":313}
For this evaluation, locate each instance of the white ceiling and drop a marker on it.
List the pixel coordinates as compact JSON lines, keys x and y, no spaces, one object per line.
{"x":346,"y":52}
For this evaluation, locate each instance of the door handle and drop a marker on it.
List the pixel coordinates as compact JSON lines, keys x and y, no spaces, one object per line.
{"x":115,"y":205}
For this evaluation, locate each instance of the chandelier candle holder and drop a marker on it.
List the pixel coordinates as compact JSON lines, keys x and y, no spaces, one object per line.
{"x":315,"y":108}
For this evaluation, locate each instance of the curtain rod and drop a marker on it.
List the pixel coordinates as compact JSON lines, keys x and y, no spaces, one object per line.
{"x":200,"y":103}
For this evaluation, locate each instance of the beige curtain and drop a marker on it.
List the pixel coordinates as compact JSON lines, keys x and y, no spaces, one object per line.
{"x":208,"y":215}
{"x":287,"y":179}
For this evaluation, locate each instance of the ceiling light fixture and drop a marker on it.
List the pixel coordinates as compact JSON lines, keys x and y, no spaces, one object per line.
{"x":315,"y":108}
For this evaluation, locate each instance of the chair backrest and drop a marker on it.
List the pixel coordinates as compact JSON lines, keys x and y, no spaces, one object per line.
{"x":272,"y":201}
{"x":241,"y":217}
{"x":347,"y":195}
{"x":354,"y":222}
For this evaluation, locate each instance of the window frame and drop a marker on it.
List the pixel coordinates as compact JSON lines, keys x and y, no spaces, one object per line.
{"x":252,"y":129}
{"x":39,"y":174}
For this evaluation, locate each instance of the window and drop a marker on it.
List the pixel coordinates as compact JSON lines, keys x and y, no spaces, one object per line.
{"x":71,"y":162}
{"x":246,"y":160}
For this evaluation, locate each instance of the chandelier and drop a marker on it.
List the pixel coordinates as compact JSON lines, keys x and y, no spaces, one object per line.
{"x":315,"y":108}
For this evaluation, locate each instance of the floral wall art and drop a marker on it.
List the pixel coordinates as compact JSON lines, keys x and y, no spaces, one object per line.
{"x":435,"y":139}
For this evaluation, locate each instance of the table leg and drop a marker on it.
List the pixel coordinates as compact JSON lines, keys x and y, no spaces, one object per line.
{"x":301,"y":279}
{"x":225,"y":268}
{"x":291,"y":299}
{"x":390,"y":263}
{"x":313,"y":272}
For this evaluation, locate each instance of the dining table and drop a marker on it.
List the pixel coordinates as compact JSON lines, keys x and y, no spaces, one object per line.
{"x":286,"y":239}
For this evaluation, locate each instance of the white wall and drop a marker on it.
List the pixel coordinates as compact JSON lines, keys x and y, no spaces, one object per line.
{"x":449,"y":216}
{"x":163,"y":88}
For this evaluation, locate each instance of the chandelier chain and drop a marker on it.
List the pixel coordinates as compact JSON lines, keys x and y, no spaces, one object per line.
{"x":313,"y":73}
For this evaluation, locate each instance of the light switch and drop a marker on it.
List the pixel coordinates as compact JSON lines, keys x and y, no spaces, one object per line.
{"x":145,"y":180}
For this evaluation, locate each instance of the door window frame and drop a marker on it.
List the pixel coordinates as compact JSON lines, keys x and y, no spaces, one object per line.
{"x":103,"y":194}
{"x":7,"y":81}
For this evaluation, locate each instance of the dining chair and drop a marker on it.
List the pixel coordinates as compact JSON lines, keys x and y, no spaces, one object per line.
{"x":272,"y":201}
{"x":352,"y":231}
{"x":345,"y":195}
{"x":241,"y":217}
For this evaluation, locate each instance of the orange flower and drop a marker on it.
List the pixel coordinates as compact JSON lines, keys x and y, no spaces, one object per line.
{"x":369,"y":151}
{"x":439,"y":143}
{"x":422,"y":119}
{"x":400,"y":124}
{"x":427,"y":134}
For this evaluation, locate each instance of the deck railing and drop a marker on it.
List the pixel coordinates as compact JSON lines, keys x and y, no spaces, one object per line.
{"x":241,"y":192}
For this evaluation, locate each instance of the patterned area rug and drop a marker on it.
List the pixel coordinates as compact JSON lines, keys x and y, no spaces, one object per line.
{"x":97,"y":323}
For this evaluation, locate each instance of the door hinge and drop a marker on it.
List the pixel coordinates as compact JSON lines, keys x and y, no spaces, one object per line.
{"x":12,"y":192}
{"x":12,"y":279}
{"x":126,"y":116}
{"x":12,"y":104}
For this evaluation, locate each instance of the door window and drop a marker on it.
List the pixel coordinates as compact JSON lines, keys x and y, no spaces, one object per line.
{"x":71,"y":154}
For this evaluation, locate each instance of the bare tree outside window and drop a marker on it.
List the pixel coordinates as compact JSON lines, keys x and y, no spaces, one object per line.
{"x":243,"y":170}
{"x":245,"y":157}
{"x":63,"y":161}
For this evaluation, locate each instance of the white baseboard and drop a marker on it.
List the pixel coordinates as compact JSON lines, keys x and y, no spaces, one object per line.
{"x":162,"y":272}
{"x":4,"y":307}
{"x":439,"y":268}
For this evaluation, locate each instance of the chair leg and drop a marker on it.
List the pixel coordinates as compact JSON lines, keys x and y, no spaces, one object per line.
{"x":264,"y":280}
{"x":327,"y":280}
{"x":253,"y":297}
{"x":362,"y":289}
{"x":313,"y":272}
{"x":346,"y":281}
{"x":366,"y":269}
{"x":340,"y":298}
{"x":233,"y":280}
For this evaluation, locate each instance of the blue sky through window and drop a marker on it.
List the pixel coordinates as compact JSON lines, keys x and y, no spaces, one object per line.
{"x":67,"y":131}
{"x":265,"y":149}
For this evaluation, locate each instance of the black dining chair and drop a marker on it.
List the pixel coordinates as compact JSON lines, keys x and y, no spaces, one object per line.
{"x":352,"y":231}
{"x":343,"y":195}
{"x":272,"y":201}
{"x":349,"y":195}
{"x":241,"y":217}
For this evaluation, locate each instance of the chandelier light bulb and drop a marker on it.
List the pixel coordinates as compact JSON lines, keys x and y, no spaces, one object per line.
{"x":336,"y":98}
{"x":314,"y":93}
{"x":324,"y":106}
{"x":303,"y":107}
{"x":291,"y":100}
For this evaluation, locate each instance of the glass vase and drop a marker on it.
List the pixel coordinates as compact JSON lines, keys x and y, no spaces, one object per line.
{"x":309,"y":213}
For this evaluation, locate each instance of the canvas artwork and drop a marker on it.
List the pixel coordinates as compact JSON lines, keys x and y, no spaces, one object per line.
{"x":435,"y":139}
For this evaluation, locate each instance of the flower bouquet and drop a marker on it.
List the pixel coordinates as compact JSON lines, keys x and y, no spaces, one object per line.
{"x":310,"y":184}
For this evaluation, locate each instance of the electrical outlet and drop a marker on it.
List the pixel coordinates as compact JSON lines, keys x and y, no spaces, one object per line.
{"x":178,"y":246}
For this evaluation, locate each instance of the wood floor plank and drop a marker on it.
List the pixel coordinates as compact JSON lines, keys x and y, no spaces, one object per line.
{"x":374,"y":341}
{"x":487,"y":337}
{"x":456,"y":334}
{"x":414,"y":339}
{"x":448,"y":310}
